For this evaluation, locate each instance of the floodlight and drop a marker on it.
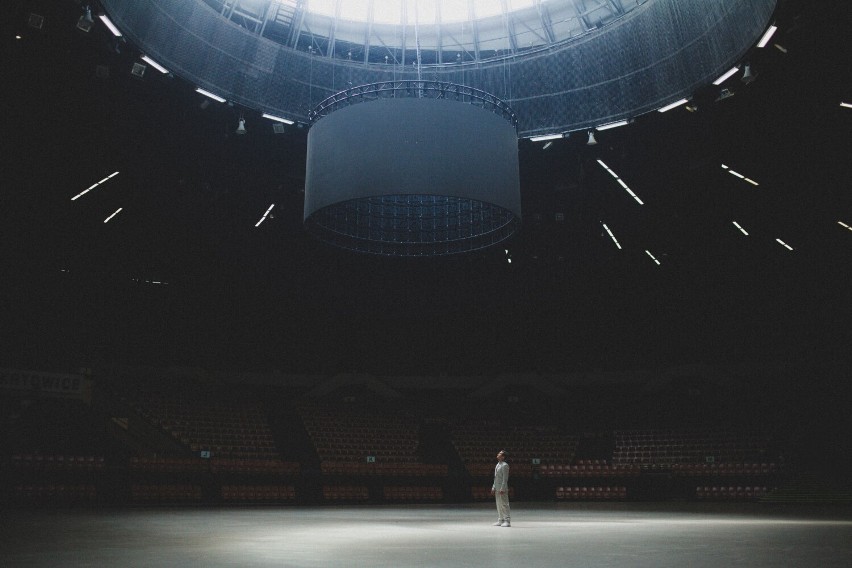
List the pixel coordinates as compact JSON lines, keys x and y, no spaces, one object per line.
{"x":785,"y":245}
{"x":726,"y":76}
{"x":652,"y":257}
{"x":108,"y":23}
{"x":117,"y":211}
{"x":209,"y":95}
{"x":154,"y":64}
{"x":616,"y":124}
{"x":767,"y":36}
{"x":673,"y":105}
{"x":84,"y":23}
{"x":544,"y":137}
{"x":277,"y":118}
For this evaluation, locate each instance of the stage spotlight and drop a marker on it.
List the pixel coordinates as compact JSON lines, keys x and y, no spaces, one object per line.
{"x":725,"y":94}
{"x":748,"y":77}
{"x":592,"y":140}
{"x":35,"y":21}
{"x":85,"y":22}
{"x":138,"y":70}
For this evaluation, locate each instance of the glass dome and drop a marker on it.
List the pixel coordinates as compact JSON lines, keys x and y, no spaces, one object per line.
{"x":561,"y":65}
{"x":395,"y":32}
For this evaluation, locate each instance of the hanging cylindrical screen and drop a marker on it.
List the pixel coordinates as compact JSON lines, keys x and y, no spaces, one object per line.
{"x":412,"y":168}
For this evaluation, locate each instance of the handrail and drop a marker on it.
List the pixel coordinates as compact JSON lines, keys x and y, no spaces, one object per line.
{"x":421,"y":89}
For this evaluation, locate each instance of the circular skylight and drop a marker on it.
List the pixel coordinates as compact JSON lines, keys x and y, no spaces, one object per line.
{"x":424,"y":12}
{"x":562,"y":65}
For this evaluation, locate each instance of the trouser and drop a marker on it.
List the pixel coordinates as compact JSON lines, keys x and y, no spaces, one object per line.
{"x":503,"y":512}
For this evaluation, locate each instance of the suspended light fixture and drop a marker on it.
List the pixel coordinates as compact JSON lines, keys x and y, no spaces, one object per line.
{"x":241,"y":126}
{"x":727,"y":75}
{"x":591,"y":141}
{"x":86,"y":21}
{"x":767,"y":36}
{"x":748,"y":77}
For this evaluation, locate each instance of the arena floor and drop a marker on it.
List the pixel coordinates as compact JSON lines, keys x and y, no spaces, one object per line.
{"x":564,"y":534}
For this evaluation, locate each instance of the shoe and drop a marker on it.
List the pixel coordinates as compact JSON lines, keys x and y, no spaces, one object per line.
{"x":506,"y":524}
{"x":499,"y":523}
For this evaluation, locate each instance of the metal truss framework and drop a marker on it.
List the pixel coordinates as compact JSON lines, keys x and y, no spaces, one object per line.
{"x":540,"y":26}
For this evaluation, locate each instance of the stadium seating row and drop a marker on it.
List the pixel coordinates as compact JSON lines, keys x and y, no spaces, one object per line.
{"x":413,"y":493}
{"x":60,"y":462}
{"x":713,"y":469}
{"x":596,"y":493}
{"x":52,"y":493}
{"x":730,"y":493}
{"x":582,"y":470}
{"x":480,"y":493}
{"x":165,"y":492}
{"x":385,"y":469}
{"x":345,"y":493}
{"x":214,"y":465}
{"x":258,"y":493}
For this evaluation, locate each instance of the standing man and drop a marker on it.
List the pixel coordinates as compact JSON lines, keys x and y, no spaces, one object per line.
{"x":500,"y":490}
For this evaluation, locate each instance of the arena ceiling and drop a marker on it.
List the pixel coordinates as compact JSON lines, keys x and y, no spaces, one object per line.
{"x":182,"y":273}
{"x":601,"y":62}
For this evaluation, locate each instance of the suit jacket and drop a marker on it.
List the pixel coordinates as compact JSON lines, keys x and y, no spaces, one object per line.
{"x":501,"y":477}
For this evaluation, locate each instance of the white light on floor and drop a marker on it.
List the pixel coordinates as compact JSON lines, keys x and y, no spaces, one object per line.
{"x":277,"y":118}
{"x":673,"y":105}
{"x":265,"y":215}
{"x":154,"y":64}
{"x":108,"y":23}
{"x":767,"y":36}
{"x":612,"y":236}
{"x":209,"y":95}
{"x":652,"y":257}
{"x":785,"y":245}
{"x":117,"y":211}
{"x":93,"y":186}
{"x":743,"y":231}
{"x":726,"y":76}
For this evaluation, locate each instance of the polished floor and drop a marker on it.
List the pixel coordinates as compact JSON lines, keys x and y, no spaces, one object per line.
{"x":585,"y":534}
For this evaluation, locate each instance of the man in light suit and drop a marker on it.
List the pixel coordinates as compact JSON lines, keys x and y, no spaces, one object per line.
{"x":500,"y":490}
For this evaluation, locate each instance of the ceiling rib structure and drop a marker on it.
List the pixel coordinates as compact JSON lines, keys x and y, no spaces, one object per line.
{"x":562,"y":65}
